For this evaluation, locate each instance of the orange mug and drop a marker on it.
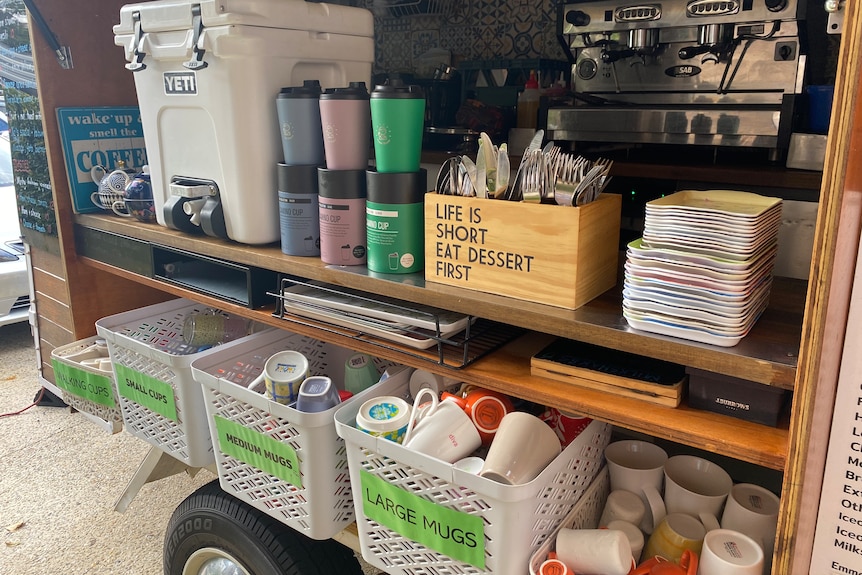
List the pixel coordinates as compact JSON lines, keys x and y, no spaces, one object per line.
{"x":486,"y":409}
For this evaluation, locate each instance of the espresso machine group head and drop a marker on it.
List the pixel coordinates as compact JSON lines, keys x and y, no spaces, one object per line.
{"x":708,"y":72}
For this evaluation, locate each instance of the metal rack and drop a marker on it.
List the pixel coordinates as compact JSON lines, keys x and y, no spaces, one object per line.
{"x":479,"y":338}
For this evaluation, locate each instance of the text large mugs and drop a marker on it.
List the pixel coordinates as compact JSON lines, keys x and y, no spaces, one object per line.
{"x":695,"y":486}
{"x":638,"y":466}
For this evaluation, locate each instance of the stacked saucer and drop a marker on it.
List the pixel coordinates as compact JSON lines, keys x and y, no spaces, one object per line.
{"x":703,"y":269}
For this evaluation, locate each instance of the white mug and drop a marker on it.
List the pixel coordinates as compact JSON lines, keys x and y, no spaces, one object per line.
{"x":622,"y":505}
{"x":522,"y":447}
{"x":638,"y":466}
{"x":695,"y":486}
{"x":284,"y":372}
{"x":634,"y":534}
{"x":728,"y":552}
{"x":442,"y":430}
{"x":605,"y":551}
{"x":753,"y":510}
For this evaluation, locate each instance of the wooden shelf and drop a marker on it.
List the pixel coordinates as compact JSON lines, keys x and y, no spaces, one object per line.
{"x":767,"y":355}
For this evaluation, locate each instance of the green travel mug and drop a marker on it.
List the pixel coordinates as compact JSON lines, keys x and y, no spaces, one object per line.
{"x":397,"y":122}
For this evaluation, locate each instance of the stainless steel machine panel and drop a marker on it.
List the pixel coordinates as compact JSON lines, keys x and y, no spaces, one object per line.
{"x":679,"y":70}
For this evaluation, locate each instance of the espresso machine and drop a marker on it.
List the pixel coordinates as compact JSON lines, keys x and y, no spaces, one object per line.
{"x":702,"y":72}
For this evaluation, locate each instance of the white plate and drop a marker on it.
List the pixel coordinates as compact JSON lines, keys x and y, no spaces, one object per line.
{"x":725,"y":308}
{"x":417,"y":337}
{"x":683,"y":256}
{"x":690,"y":334}
{"x":730,"y":322}
{"x":695,"y":292}
{"x":691,"y":281}
{"x":735,"y":204}
{"x":700,"y":271}
{"x":681,"y":322}
{"x":706,"y":239}
{"x":382,"y":307}
{"x":736,"y":255}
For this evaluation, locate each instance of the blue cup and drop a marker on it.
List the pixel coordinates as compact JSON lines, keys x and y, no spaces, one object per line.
{"x":317,"y":393}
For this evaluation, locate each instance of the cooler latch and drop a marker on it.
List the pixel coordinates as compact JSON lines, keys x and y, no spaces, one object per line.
{"x":197,"y":63}
{"x":137,"y":63}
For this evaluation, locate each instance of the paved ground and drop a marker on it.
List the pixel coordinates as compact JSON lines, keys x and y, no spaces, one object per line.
{"x":60,"y":476}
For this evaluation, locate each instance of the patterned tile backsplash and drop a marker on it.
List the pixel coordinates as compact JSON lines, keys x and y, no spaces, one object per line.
{"x":416,"y":35}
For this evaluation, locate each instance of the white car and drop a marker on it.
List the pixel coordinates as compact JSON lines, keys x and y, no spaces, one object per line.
{"x":14,"y":275}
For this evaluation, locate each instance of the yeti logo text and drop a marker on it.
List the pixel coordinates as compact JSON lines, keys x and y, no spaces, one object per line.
{"x":330,"y":133}
{"x":287,"y":131}
{"x":180,"y":83}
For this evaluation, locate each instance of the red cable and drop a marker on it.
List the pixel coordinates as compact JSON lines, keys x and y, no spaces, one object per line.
{"x":35,"y":402}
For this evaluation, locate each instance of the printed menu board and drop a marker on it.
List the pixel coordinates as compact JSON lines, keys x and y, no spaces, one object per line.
{"x":838,"y":538}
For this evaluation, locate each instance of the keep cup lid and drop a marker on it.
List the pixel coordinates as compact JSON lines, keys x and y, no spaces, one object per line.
{"x":355,"y":91}
{"x":396,"y":88}
{"x":309,"y":89}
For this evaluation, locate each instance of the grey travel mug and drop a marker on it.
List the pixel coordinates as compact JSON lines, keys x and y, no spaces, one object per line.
{"x":299,"y":122}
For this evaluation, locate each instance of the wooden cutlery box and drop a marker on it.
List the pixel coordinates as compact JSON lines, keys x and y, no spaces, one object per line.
{"x":556,"y":255}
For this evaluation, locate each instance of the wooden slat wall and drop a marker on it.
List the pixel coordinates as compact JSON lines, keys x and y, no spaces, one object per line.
{"x":69,"y":296}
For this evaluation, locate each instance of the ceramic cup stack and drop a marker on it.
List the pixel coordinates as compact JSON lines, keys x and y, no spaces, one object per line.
{"x":703,"y":269}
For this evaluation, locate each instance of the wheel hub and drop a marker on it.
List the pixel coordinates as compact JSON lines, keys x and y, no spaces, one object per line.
{"x":213,"y":561}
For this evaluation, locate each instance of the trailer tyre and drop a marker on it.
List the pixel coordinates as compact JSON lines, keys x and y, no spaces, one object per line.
{"x":213,"y":533}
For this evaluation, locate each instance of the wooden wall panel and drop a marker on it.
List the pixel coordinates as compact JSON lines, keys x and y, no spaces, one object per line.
{"x":99,"y":78}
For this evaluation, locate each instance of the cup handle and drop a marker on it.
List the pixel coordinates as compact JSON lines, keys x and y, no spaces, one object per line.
{"x":656,"y":509}
{"x":94,"y":197}
{"x":709,"y":521}
{"x":118,"y":211}
{"x":417,"y":413}
{"x":98,"y":172}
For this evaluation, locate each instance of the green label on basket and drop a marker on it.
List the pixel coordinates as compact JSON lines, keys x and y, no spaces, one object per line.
{"x":458,"y":535}
{"x":147,"y":391}
{"x":85,"y":384}
{"x":258,"y":450}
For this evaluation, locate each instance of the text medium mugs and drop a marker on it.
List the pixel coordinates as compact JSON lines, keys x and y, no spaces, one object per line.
{"x":753,"y":510}
{"x":728,"y":552}
{"x":346,"y":120}
{"x":676,"y":533}
{"x":283,"y":373}
{"x":522,"y":447}
{"x":638,"y":466}
{"x":695,"y":486}
{"x":386,"y":416}
{"x":441,"y":430}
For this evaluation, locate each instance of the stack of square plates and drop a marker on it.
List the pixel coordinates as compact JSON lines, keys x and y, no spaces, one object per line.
{"x":703,"y":269}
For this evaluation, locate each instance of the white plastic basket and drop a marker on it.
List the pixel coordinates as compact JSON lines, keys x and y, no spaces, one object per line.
{"x":160,"y":400}
{"x":317,"y":500}
{"x":86,"y":388}
{"x":585,"y":515}
{"x":498,"y":526}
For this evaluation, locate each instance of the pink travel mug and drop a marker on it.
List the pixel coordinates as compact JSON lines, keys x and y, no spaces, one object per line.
{"x":345,"y":115}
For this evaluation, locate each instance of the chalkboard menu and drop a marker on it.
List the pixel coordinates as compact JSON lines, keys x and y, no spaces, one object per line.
{"x":27,"y":140}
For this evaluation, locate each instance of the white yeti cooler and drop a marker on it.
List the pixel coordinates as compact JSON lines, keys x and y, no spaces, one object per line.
{"x":207,"y":75}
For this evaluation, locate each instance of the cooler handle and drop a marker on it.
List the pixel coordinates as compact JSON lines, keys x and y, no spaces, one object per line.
{"x":138,"y":54}
{"x":196,"y":62}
